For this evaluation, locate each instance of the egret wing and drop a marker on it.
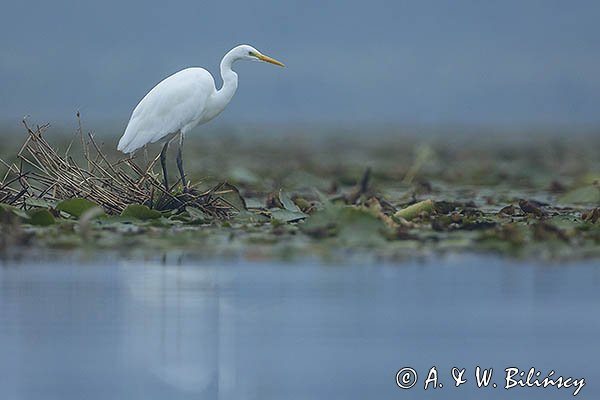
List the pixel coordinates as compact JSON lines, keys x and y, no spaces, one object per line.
{"x":175,"y":102}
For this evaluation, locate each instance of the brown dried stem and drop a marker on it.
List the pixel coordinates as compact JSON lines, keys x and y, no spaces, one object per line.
{"x":42,"y":173}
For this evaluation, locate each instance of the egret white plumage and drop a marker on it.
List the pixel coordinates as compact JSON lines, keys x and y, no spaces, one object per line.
{"x":181,"y":102}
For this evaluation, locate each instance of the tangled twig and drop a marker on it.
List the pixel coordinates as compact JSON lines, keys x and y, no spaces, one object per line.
{"x":40,"y":172}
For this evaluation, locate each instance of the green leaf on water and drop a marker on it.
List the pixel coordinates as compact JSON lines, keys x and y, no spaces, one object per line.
{"x":254,"y":203}
{"x":286,"y":215}
{"x":290,"y":211}
{"x":232,"y":196}
{"x":139,"y":211}
{"x":583,"y":195}
{"x":249,"y":217}
{"x":323,"y":198}
{"x":197,"y":216}
{"x":75,"y":207}
{"x":287,"y":202}
{"x":354,"y":226}
{"x":360,"y":227}
{"x":40,"y":217}
{"x":8,"y":209}
{"x":565,"y":221}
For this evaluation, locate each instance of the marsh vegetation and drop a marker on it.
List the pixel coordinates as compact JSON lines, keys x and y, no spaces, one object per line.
{"x":377,"y":195}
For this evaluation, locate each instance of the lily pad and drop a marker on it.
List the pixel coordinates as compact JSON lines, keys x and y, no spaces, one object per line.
{"x":290,"y":211}
{"x":139,"y":211}
{"x":232,"y":196}
{"x":582,"y":195}
{"x":75,"y":207}
{"x":40,"y":217}
{"x":360,"y":227}
{"x":287,"y":202}
{"x":350,"y":224}
{"x":245,"y":216}
{"x":286,"y":215}
{"x":6,"y":208}
{"x":254,"y":203}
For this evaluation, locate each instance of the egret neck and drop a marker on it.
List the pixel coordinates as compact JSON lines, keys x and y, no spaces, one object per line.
{"x":222,"y":97}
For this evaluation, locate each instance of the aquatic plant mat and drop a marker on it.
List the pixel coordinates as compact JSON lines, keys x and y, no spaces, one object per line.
{"x":366,"y":196}
{"x":43,"y":176}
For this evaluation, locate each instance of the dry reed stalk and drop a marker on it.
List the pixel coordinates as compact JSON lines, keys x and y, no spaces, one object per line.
{"x":43,"y":173}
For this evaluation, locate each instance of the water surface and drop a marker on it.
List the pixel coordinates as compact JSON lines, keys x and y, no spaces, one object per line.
{"x":251,"y":330}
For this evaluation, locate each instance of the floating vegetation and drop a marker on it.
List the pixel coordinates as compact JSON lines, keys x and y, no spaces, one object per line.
{"x":320,"y":199}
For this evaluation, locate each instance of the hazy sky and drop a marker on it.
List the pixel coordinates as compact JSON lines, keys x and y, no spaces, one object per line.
{"x":479,"y":62}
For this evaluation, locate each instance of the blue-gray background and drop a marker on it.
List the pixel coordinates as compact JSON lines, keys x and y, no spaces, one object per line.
{"x":409,"y":62}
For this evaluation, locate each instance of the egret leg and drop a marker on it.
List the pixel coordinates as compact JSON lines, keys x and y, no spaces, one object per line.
{"x":163,"y":164}
{"x":180,"y":164}
{"x":146,"y":154}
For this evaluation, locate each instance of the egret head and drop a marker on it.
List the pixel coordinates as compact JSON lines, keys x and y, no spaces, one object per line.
{"x":246,"y":52}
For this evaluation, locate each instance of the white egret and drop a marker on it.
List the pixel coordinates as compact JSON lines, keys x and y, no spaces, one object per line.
{"x":181,"y":102}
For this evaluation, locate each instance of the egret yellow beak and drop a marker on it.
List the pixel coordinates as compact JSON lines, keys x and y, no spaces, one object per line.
{"x":268,"y":59}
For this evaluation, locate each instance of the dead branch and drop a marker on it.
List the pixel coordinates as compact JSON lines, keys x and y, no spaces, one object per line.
{"x":41,"y":172}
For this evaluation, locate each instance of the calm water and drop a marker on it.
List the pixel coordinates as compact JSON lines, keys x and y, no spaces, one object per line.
{"x":268,"y":331}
